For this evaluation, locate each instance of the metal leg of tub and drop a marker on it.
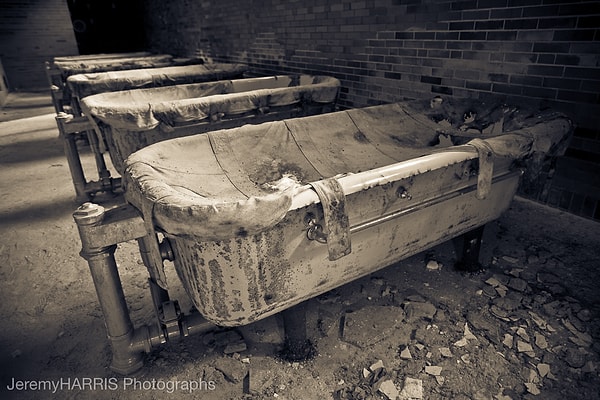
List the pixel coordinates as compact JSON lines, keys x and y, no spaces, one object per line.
{"x":297,"y":346}
{"x":70,"y":128}
{"x":166,"y":311}
{"x":470,"y":252}
{"x":100,"y":232}
{"x":103,"y":172}
{"x":55,"y":81}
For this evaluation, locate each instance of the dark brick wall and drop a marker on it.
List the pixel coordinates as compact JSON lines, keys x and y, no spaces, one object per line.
{"x":388,"y":50}
{"x":32,"y":32}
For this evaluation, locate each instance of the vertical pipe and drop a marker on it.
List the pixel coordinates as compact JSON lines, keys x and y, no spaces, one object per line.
{"x":105,"y":275}
{"x":119,"y":327}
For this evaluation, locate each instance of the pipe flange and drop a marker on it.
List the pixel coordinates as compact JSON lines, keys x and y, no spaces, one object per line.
{"x":89,"y":213}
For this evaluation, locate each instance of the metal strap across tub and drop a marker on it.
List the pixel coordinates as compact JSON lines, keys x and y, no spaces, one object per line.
{"x":486,"y":167}
{"x":333,"y":201}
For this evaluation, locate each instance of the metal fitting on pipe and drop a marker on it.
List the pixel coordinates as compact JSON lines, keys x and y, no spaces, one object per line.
{"x":88,"y":214}
{"x":166,"y":250}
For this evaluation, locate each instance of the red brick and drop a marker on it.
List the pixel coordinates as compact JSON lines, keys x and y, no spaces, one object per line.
{"x":492,"y":3}
{"x":567,"y":59}
{"x":441,"y":90}
{"x":462,"y":26}
{"x":545,"y":70}
{"x":584,"y":73}
{"x":541,"y":11}
{"x":531,"y":23}
{"x":526,"y":80}
{"x":520,"y":57}
{"x":544,"y":47}
{"x":542,"y":93}
{"x":472,"y":36}
{"x":510,"y":89}
{"x":574,"y":35}
{"x":475,"y":15}
{"x":562,"y":22}
{"x":464,"y":5}
{"x":588,"y":22}
{"x":577,"y":96}
{"x":489,"y":25}
{"x":485,"y":86}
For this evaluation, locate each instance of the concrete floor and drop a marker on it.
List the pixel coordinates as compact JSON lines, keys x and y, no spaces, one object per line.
{"x":25,"y":105}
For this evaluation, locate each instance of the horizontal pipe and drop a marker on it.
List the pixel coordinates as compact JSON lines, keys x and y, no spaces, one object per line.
{"x":196,"y":324}
{"x":147,"y":337}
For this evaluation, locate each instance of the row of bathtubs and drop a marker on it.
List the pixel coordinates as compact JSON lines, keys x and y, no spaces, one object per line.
{"x":259,"y":215}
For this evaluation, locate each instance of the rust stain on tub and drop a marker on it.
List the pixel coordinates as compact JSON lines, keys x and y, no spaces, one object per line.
{"x":246,"y":263}
{"x":219,"y":295}
{"x":273,"y":264}
{"x":270,"y":173}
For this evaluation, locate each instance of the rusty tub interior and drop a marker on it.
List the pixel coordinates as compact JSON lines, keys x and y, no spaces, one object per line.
{"x":260,"y":218}
{"x":132,"y":119}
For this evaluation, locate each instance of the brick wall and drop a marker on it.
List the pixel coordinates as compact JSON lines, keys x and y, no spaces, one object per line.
{"x":32,"y":32}
{"x":388,"y":50}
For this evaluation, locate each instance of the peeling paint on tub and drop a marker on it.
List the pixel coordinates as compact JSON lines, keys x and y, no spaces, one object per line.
{"x":218,"y":291}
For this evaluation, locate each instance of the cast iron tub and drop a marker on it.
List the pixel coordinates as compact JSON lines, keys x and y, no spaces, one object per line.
{"x":132,"y":119}
{"x":87,"y":84}
{"x":260,"y":218}
{"x":109,"y":62}
{"x":61,"y":68}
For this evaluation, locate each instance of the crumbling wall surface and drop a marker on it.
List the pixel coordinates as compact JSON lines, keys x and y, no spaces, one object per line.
{"x":388,"y":50}
{"x":31,"y":33}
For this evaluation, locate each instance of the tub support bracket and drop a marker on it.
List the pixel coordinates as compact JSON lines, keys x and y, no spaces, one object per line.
{"x":333,"y":200}
{"x":297,"y":347}
{"x":71,"y":129}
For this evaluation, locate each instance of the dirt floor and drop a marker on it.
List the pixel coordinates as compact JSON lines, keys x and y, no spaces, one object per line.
{"x":527,"y":327}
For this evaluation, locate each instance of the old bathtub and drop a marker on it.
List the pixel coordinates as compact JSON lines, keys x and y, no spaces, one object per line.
{"x":82,"y":85}
{"x":130,"y":120}
{"x":259,"y":218}
{"x":96,"y":56}
{"x":72,"y":66}
{"x":263,"y":217}
{"x":61,"y":68}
